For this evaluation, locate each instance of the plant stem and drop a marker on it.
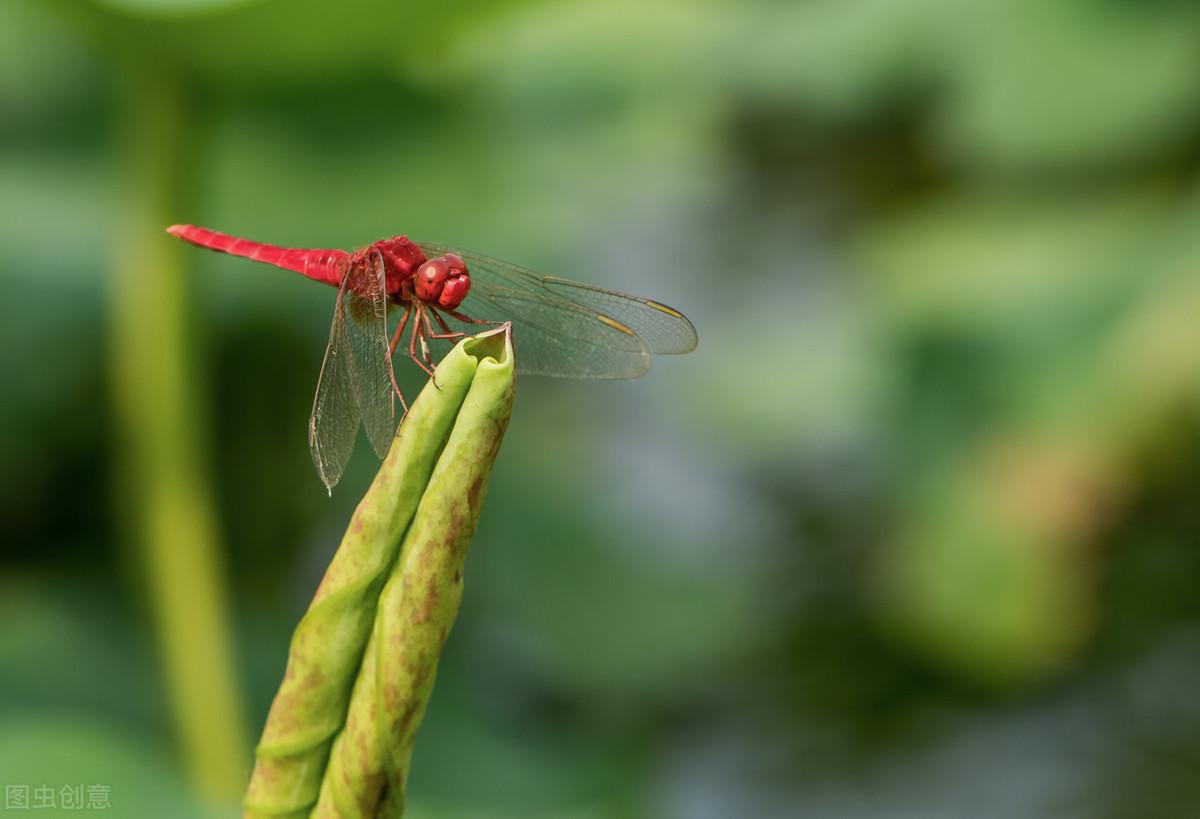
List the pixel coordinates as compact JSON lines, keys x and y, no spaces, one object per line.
{"x":167,"y":499}
{"x":371,"y":757}
{"x":412,"y":524}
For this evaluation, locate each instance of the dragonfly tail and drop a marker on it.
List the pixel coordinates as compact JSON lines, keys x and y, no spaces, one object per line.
{"x":321,"y":265}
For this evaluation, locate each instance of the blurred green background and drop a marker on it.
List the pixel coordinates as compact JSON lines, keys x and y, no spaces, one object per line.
{"x":913,"y":533}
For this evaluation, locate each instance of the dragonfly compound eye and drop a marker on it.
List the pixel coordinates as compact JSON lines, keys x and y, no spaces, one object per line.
{"x":430,"y":278}
{"x":454,"y":291}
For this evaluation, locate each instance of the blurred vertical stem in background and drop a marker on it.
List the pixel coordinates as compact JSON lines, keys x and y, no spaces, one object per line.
{"x":363,"y":659}
{"x":165,"y":497}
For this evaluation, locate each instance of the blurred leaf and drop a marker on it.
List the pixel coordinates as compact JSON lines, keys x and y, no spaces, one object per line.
{"x":633,"y":621}
{"x":519,"y":767}
{"x":75,"y":750}
{"x":279,"y":42}
{"x":989,"y":595}
{"x":169,"y":7}
{"x":1070,"y":84}
{"x":67,"y":644}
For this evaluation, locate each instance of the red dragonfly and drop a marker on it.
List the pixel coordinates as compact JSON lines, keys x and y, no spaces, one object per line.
{"x":563,"y":328}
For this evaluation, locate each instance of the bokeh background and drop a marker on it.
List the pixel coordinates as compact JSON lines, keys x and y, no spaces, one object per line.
{"x":913,"y":533}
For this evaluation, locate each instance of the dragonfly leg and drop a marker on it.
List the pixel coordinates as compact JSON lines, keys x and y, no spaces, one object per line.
{"x":426,"y":332}
{"x":462,"y":317}
{"x":418,"y":331}
{"x":392,"y":352}
{"x":446,"y":331}
{"x":396,"y":389}
{"x":399,"y":330}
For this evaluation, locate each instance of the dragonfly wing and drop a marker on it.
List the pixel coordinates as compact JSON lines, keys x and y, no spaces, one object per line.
{"x":664,"y":329}
{"x":564,"y":328}
{"x":366,"y":349}
{"x":333,"y":425}
{"x":554,"y":338}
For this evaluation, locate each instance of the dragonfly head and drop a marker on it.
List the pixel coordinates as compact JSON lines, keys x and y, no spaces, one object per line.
{"x":443,"y":281}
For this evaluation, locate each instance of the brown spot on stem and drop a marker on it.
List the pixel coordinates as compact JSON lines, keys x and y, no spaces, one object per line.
{"x":424,"y":558}
{"x":456,"y":544}
{"x":364,"y":755}
{"x":425,"y":612}
{"x":473,"y":492}
{"x":368,"y":797}
{"x":403,"y":724}
{"x":265,"y":772}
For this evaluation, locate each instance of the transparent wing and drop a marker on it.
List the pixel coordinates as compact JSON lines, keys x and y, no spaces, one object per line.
{"x":333,"y":425}
{"x":564,"y":328}
{"x":366,"y":337}
{"x":349,"y":387}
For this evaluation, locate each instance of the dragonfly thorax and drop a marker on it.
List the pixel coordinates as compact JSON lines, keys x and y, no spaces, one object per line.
{"x":401,"y":258}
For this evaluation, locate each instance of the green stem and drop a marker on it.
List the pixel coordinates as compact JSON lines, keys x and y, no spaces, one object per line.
{"x":166,"y":494}
{"x":362,"y":659}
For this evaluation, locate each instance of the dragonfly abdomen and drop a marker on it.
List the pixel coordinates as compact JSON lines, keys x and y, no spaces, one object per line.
{"x":322,"y":265}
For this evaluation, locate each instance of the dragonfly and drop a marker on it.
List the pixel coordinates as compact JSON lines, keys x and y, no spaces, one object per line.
{"x":438,"y":295}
